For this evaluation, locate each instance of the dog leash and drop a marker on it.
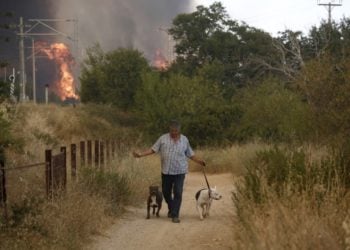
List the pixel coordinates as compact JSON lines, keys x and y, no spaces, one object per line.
{"x":206,"y":180}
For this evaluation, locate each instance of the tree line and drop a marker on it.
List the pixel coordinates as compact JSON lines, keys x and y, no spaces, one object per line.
{"x":232,"y":82}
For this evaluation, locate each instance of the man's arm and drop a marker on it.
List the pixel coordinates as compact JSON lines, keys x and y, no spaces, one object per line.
{"x":142,"y":154}
{"x":197,"y":160}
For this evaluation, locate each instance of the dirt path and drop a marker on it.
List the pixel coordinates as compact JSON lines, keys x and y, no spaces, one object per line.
{"x":133,"y":231}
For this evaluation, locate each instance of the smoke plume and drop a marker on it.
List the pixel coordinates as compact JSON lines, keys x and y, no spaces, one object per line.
{"x":123,"y":23}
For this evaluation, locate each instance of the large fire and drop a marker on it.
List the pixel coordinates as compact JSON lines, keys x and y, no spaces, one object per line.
{"x":159,"y":61}
{"x":59,"y":52}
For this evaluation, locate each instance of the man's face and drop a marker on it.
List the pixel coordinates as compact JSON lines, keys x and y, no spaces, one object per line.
{"x":174,"y":132}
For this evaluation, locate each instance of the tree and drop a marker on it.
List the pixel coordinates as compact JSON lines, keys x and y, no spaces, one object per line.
{"x":208,"y":38}
{"x":199,"y":106}
{"x":325,"y":82}
{"x":333,"y":39}
{"x":93,"y":75}
{"x":274,"y":113}
{"x":192,"y":31}
{"x":112,"y":77}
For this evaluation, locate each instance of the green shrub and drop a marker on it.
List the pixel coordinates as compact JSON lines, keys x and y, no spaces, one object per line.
{"x":274,"y":113}
{"x":198,"y":105}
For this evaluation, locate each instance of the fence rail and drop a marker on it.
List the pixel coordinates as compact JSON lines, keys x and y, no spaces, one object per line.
{"x":25,"y":166}
{"x":56,"y":166}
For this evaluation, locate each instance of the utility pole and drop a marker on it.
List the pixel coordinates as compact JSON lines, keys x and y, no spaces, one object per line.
{"x":330,"y":6}
{"x":22,"y":75}
{"x":34,"y":73}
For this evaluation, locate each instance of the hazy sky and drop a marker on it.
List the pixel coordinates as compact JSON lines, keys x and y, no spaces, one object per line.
{"x":277,"y":15}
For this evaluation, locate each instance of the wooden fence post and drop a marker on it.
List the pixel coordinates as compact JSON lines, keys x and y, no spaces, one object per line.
{"x":97,"y":153}
{"x":63,"y":171}
{"x":107,"y":152}
{"x":82,"y":153}
{"x":48,"y":172}
{"x":2,"y":184}
{"x":89,"y":152}
{"x":113,"y":149}
{"x":102,"y":155}
{"x":73,"y":158}
{"x":3,"y":194}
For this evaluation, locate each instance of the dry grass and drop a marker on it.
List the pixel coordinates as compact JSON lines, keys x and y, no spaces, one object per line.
{"x":293,"y":224}
{"x":68,"y":221}
{"x":316,"y":218}
{"x":141,"y":173}
{"x":85,"y":209}
{"x":64,"y":223}
{"x":230,"y":159}
{"x":43,"y":126}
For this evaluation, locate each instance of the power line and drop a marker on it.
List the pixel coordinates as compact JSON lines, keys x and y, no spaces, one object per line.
{"x":330,"y":6}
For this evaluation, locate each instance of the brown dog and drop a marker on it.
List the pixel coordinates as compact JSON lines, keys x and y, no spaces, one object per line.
{"x":154,"y":200}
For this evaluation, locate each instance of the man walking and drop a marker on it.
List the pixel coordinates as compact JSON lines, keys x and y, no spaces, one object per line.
{"x":174,"y":149}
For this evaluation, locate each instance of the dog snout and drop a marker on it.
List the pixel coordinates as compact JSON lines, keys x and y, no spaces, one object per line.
{"x":218,"y":197}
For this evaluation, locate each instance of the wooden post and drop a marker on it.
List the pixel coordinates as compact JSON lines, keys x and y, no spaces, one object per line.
{"x":107,"y":152}
{"x":102,"y":156}
{"x":113,"y":149}
{"x":73,"y":160}
{"x":48,"y":172}
{"x":2,"y":184}
{"x":63,"y":171}
{"x":82,"y":153}
{"x":3,"y":194}
{"x":97,"y":153}
{"x":89,"y":151}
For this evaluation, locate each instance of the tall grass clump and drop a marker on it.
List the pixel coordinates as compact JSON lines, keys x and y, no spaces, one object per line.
{"x":111,"y":186}
{"x":228,"y":159}
{"x":290,"y":199}
{"x":140,"y":174}
{"x":65,"y":222}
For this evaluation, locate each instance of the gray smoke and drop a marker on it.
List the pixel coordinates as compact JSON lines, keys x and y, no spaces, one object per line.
{"x":123,"y":23}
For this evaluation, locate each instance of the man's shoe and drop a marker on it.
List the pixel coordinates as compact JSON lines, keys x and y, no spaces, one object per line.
{"x":175,"y":220}
{"x":169,"y":215}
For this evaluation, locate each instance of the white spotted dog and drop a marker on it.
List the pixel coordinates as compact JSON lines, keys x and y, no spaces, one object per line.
{"x":204,"y":198}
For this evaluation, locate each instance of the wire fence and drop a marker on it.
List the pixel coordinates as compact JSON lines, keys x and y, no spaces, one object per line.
{"x":46,"y":178}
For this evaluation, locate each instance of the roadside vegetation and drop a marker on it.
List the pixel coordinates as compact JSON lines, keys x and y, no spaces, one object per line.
{"x":274,"y":111}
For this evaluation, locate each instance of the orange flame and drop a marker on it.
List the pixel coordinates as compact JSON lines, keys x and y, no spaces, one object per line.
{"x":59,"y":52}
{"x":159,"y":61}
